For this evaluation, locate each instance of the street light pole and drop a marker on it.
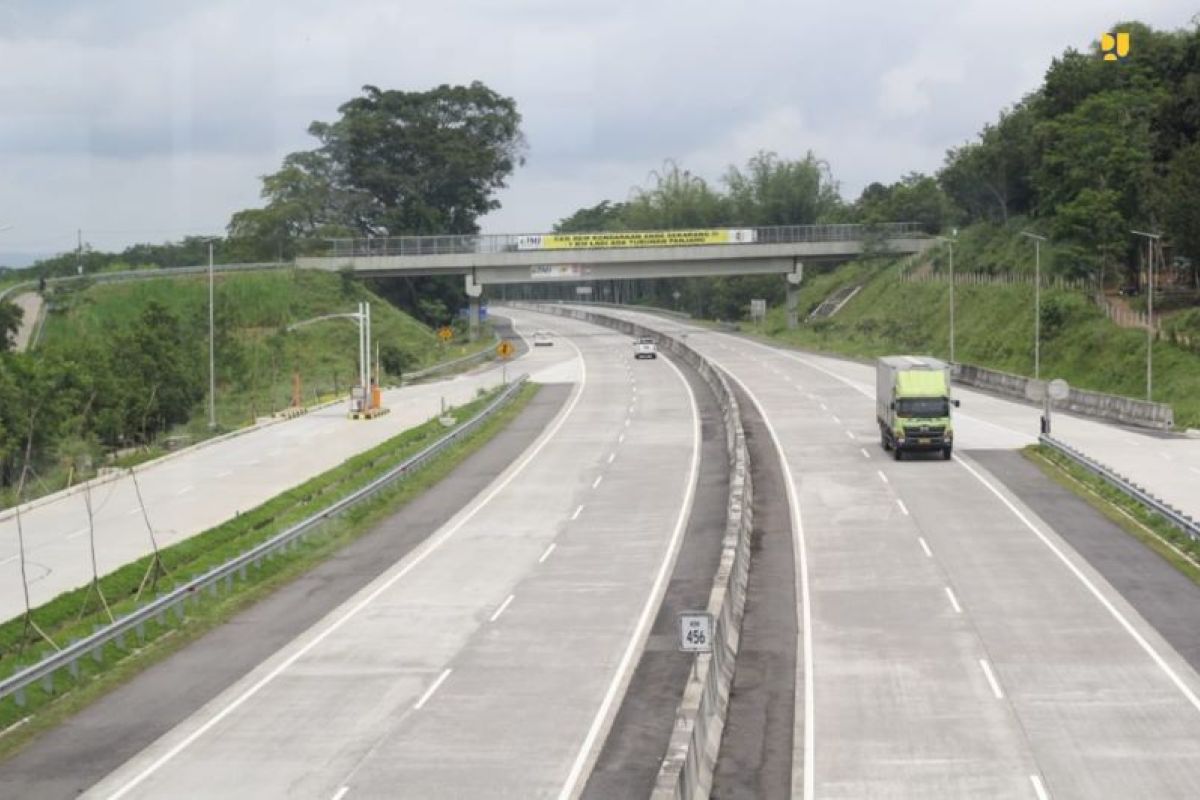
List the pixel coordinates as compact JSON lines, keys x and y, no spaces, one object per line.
{"x":1151,"y":240}
{"x":950,"y":243}
{"x":1037,"y":302}
{"x":212,"y":347}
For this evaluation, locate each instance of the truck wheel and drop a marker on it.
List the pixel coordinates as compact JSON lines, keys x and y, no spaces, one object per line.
{"x":899,"y":455}
{"x":883,"y":440}
{"x":946,"y":453}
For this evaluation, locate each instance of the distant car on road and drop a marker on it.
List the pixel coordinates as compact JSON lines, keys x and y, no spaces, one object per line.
{"x":645,"y":348}
{"x":542,"y":339}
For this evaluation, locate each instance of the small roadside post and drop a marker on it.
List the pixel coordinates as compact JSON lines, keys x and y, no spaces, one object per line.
{"x":505,"y":350}
{"x":695,"y":631}
{"x":1058,"y":389}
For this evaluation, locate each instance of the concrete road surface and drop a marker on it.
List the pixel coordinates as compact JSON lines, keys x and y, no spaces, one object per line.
{"x":489,"y":661}
{"x":953,"y":644}
{"x":196,"y":490}
{"x":31,"y":304}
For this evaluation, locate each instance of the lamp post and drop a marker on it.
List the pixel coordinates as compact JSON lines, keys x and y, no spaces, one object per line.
{"x":950,"y":243}
{"x":1151,"y":241}
{"x":212,"y":346}
{"x":1037,"y":302}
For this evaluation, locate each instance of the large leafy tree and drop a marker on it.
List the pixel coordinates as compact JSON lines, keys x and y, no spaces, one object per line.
{"x":775,"y":191}
{"x":1181,"y":205}
{"x":393,"y":163}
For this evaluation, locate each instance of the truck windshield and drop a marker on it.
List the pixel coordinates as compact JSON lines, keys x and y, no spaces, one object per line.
{"x":923,"y":407}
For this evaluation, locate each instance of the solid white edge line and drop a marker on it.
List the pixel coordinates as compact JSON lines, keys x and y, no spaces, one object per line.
{"x":991,"y":678}
{"x":496,"y":614}
{"x":801,"y":555}
{"x":589,"y":750}
{"x":433,"y":688}
{"x":1078,"y":573}
{"x":547,"y":552}
{"x":953,"y":600}
{"x":427,"y":548}
{"x":1039,"y":788}
{"x":1120,"y":618}
{"x":925,"y":546}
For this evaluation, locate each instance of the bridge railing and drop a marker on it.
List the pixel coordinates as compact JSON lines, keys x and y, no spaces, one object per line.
{"x":488,"y":243}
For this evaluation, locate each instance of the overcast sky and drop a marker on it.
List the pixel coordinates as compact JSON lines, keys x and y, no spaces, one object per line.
{"x":147,"y":120}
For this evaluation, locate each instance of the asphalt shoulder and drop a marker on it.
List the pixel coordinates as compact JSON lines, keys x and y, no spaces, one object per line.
{"x":1165,"y":598}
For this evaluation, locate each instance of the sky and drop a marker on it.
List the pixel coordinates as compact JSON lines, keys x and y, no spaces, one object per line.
{"x":146,"y":121}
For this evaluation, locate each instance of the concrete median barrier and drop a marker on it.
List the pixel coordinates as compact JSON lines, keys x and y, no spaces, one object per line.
{"x":687,"y":767}
{"x":1111,"y":407}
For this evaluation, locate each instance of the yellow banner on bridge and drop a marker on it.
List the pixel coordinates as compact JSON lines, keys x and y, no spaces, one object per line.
{"x":682,"y":238}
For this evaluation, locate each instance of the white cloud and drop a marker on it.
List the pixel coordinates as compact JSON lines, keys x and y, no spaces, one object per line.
{"x":149,"y":119}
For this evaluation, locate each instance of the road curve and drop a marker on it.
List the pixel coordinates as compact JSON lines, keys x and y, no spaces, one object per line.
{"x":194,"y":491}
{"x":959,"y":647}
{"x":490,"y":660}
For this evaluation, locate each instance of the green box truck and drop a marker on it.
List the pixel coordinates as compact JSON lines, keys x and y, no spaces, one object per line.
{"x":912,"y":404}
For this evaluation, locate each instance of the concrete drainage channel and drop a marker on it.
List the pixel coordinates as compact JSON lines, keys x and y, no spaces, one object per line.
{"x":687,"y":768}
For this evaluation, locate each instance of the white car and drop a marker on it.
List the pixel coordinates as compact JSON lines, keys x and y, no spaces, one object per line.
{"x":542,"y":339}
{"x":645,"y":348}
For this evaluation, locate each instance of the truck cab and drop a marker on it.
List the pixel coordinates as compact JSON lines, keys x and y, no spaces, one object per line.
{"x":913,"y":405}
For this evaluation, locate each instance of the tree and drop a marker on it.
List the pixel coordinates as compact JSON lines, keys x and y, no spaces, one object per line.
{"x":1181,"y":205}
{"x":914,"y":198}
{"x":11,"y":315}
{"x":1092,"y":222}
{"x":774,"y":191}
{"x":419,"y":162}
{"x":604,"y":216}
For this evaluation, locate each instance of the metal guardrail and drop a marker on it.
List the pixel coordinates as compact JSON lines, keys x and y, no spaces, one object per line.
{"x":175,"y":601}
{"x":480,"y":243}
{"x":145,"y":274}
{"x":482,"y":355}
{"x":1139,"y":493}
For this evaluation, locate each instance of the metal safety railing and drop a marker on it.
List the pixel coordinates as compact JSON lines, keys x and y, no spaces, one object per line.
{"x":483,"y":244}
{"x":174,"y":602}
{"x":1126,"y":485}
{"x":144,"y":274}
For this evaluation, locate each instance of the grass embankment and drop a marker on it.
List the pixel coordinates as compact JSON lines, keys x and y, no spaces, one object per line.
{"x":74,"y":614}
{"x":256,"y":357}
{"x":1181,"y":550}
{"x":994,"y":329}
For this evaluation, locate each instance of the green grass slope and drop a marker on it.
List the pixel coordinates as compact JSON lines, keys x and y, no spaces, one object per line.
{"x":256,"y":356}
{"x":994,"y":328}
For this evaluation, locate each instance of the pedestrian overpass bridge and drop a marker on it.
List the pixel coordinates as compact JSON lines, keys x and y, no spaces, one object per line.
{"x":490,"y":259}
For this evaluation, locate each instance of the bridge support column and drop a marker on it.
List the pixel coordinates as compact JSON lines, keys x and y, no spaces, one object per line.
{"x":793,"y":296}
{"x":474,"y":290}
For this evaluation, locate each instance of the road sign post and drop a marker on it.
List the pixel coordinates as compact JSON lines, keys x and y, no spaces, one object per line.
{"x":695,"y":631}
{"x":505,"y":350}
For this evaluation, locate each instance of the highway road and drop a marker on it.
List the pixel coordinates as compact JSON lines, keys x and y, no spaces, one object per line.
{"x":490,"y":661}
{"x":207,"y":485}
{"x":953,"y":645}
